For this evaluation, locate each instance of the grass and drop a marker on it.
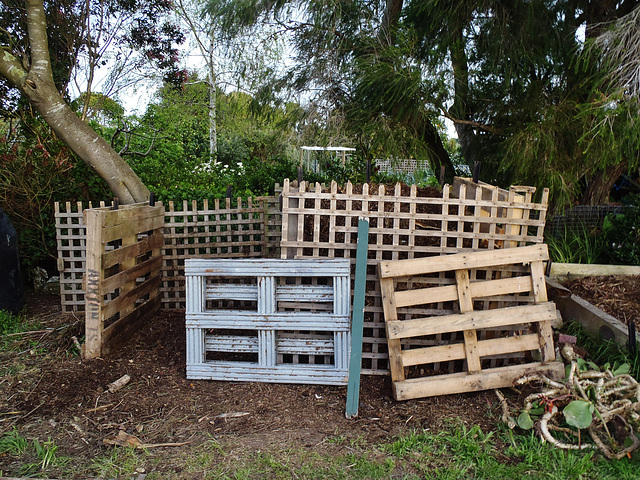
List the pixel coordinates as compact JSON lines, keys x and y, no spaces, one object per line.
{"x":118,"y":463}
{"x":36,"y":458}
{"x":11,"y":324}
{"x":576,"y":245}
{"x":457,"y":452}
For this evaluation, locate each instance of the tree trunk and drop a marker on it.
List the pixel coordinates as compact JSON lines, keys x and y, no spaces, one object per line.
{"x":38,"y":86}
{"x":213,"y":120}
{"x":439,"y":155}
{"x":600,"y":184}
{"x":84,"y":141}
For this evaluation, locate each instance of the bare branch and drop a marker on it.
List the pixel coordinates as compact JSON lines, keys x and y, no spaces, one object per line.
{"x":486,"y":128}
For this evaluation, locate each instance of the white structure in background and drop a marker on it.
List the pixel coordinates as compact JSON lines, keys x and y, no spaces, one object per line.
{"x":310,"y":161}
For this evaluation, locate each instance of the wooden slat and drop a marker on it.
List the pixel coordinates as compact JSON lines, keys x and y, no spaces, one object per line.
{"x":136,"y":226}
{"x":481,"y":289}
{"x":232,"y":292}
{"x":456,"y":351}
{"x":128,"y":298}
{"x":469,"y":261}
{"x":277,"y":321}
{"x":253,"y":372}
{"x":499,"y":377}
{"x":470,"y":336}
{"x":116,"y":281}
{"x":93,"y":288}
{"x":519,"y":315}
{"x":304,"y":293}
{"x":284,"y":345}
{"x":357,"y":320}
{"x":268,"y":267}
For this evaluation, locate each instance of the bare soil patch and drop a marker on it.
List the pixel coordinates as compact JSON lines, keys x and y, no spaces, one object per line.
{"x":48,"y":392}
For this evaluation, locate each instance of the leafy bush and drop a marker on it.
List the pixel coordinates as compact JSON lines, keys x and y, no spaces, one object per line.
{"x":251,"y":177}
{"x":35,"y":171}
{"x":621,"y":235}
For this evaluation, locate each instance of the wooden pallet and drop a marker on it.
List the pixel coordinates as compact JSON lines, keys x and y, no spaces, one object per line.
{"x":268,"y":320}
{"x":221,"y":230}
{"x":509,"y":326}
{"x":123,"y":269}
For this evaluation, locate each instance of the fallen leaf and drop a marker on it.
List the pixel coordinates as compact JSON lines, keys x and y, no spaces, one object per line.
{"x":123,"y":439}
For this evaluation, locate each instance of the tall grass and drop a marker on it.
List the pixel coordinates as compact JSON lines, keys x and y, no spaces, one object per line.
{"x":576,"y":245}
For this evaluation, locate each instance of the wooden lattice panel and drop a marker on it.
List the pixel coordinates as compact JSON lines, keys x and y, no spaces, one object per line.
{"x":461,"y":343}
{"x":222,"y":231}
{"x":404,"y":225}
{"x":268,"y":320}
{"x":219,"y":231}
{"x":71,"y":240}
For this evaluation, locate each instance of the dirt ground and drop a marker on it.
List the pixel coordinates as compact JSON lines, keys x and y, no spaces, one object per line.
{"x":47,"y":392}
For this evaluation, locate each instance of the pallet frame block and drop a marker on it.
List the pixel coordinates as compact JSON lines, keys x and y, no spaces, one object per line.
{"x":468,"y":321}
{"x":123,"y":270}
{"x":274,"y":329}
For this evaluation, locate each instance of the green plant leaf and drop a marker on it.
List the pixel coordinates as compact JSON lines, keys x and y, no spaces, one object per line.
{"x":593,"y":366}
{"x":579,"y":413}
{"x":524,"y":421}
{"x":622,"y":369}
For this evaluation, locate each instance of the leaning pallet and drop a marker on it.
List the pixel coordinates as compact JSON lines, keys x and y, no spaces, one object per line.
{"x":522,"y":327}
{"x":268,"y":320}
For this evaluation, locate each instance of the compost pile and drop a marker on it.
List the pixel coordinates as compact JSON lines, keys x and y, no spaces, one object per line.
{"x":619,"y":296}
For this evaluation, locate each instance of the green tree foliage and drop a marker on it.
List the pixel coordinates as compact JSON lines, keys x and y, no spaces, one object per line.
{"x":252,"y":145}
{"x":35,"y":172}
{"x":352,"y":61}
{"x":527,"y":98}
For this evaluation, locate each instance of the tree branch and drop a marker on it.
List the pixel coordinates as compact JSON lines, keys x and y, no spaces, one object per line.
{"x":11,"y":68}
{"x":38,"y":41}
{"x":486,"y":128}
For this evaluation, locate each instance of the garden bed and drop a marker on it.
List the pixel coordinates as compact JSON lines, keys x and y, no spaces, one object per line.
{"x":617,"y":295}
{"x":48,"y":393}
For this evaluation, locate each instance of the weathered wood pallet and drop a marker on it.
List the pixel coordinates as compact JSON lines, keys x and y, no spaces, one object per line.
{"x":412,"y":370}
{"x":322,"y":222}
{"x":123,"y":269}
{"x":268,"y":320}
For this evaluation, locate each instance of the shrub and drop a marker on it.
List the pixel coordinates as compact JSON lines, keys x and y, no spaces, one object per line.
{"x":621,"y":235}
{"x":36,"y":171}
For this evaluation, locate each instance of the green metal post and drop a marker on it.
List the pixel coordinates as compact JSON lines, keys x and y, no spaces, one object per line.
{"x":357,"y":319}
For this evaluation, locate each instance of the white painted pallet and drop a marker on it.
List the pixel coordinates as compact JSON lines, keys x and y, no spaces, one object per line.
{"x":268,"y":320}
